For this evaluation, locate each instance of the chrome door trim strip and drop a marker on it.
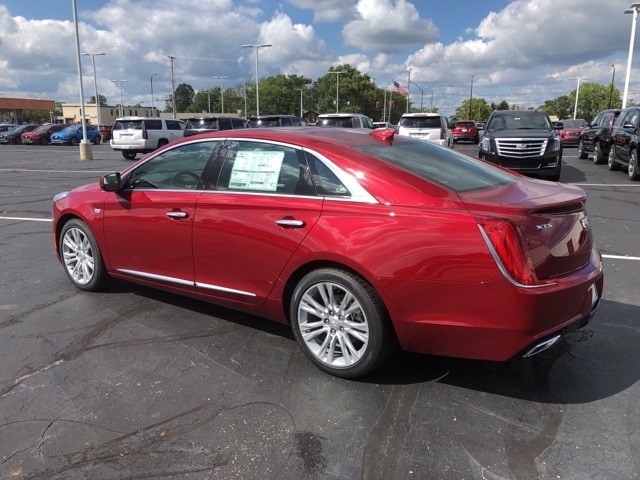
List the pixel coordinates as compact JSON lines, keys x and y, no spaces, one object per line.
{"x":153,"y":276}
{"x":224,"y":289}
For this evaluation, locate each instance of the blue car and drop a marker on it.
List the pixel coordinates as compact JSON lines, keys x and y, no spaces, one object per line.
{"x":72,"y":135}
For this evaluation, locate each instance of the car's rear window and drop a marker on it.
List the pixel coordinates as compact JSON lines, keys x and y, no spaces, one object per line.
{"x":443,"y":166}
{"x":420,"y":122}
{"x":128,"y":125}
{"x":202,"y":124}
{"x":342,"y":122}
{"x":465,"y":124}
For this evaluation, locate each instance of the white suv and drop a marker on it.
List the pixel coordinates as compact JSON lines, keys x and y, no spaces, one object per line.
{"x":431,"y":127}
{"x":133,"y":135}
{"x":344,"y":120}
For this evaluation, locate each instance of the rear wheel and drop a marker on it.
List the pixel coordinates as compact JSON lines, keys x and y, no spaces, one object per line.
{"x":598,"y":155}
{"x":128,"y":155}
{"x":582,"y":153}
{"x":611,"y":159}
{"x":44,"y":140}
{"x":81,"y":256}
{"x":340,"y":323}
{"x":97,"y":139}
{"x":162,"y":142}
{"x":633,"y":171}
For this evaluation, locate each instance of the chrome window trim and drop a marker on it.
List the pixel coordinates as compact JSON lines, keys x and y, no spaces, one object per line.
{"x":224,"y":289}
{"x":358,"y":193}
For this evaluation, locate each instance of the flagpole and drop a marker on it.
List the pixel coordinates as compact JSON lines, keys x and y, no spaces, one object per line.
{"x":408,"y":90}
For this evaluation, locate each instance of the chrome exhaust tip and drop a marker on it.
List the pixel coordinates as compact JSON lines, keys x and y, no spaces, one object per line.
{"x":541,"y":347}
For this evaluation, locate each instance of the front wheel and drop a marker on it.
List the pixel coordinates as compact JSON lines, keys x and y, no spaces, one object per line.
{"x":128,"y":154}
{"x":74,"y":141}
{"x":81,"y":256}
{"x":633,"y":171}
{"x":340,"y":323}
{"x":611,"y":159}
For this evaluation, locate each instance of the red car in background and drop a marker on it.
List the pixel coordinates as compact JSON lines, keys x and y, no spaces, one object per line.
{"x":466,"y":130}
{"x":570,"y":132}
{"x":42,"y":134}
{"x":361,"y":240}
{"x":105,"y":132}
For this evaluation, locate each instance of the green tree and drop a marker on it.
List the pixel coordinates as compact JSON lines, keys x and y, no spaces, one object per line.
{"x":36,"y":116}
{"x":184,"y":98}
{"x":593,"y":98}
{"x":102,"y":98}
{"x":560,"y":107}
{"x":280,"y":94}
{"x":480,"y":110}
{"x":356,"y":92}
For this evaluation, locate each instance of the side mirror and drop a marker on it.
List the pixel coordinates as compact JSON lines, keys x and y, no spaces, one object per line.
{"x":111,"y":182}
{"x":558,"y":125}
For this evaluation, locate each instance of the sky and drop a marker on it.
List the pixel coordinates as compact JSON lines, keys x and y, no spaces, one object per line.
{"x":521,"y":51}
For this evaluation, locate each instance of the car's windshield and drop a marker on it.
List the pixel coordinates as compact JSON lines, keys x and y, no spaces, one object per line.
{"x":443,"y":166}
{"x":421,"y":122}
{"x":42,"y":128}
{"x":71,"y":128}
{"x":518,"y":122}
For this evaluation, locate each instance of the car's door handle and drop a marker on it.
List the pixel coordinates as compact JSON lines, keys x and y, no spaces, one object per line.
{"x":177,"y":214}
{"x":290,"y":223}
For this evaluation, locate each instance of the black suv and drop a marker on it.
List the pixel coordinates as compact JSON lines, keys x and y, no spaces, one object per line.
{"x":525,"y":141}
{"x":14,"y":135}
{"x":267,"y":121}
{"x":596,"y":138}
{"x":196,"y":125}
{"x":625,"y":141}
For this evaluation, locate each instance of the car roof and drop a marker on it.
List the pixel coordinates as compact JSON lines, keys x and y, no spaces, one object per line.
{"x":409,"y":115}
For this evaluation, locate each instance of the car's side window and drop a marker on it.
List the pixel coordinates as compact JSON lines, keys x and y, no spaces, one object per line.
{"x":180,"y":168}
{"x":173,"y":125}
{"x":326,"y":182}
{"x":153,"y":124}
{"x":265,"y":168}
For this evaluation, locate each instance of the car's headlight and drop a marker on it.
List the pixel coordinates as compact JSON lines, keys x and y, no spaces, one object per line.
{"x":486,"y":143}
{"x":556,"y":143}
{"x":59,"y":196}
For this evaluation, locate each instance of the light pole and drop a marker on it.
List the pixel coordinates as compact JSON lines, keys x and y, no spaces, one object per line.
{"x":173,"y":86}
{"x":95,"y":83}
{"x":120,"y":82}
{"x":613,"y":77}
{"x":408,"y":90}
{"x":153,"y":104}
{"x":575,"y":109}
{"x":471,"y":100}
{"x":221,"y":94}
{"x":337,"y":84}
{"x":421,"y":94}
{"x":633,"y":8}
{"x":301,"y":94}
{"x":257,"y":46}
{"x":85,"y":147}
{"x":450,"y":86}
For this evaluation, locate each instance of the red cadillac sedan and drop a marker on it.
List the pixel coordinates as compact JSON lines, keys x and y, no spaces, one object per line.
{"x":361,"y":241}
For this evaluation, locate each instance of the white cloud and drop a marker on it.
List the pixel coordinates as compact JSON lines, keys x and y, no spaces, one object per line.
{"x":387,"y":26}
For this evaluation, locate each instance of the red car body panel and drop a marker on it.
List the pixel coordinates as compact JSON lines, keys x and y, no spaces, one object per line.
{"x":420,"y":247}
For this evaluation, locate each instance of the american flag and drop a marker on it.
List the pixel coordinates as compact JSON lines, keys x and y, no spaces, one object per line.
{"x":401,"y":89}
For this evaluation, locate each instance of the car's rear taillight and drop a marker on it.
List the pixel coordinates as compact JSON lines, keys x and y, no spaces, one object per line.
{"x":144,"y":131}
{"x":507,"y":247}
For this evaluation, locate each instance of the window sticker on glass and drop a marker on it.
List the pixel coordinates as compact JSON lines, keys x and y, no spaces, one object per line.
{"x":256,"y":170}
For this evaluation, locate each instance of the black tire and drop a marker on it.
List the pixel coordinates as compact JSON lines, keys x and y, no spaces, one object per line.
{"x":44,"y":140}
{"x":162,"y":142}
{"x":74,"y":142}
{"x":556,"y":176}
{"x":633,"y":171}
{"x":322,"y":332}
{"x":81,"y":257}
{"x":582,"y":152}
{"x":598,"y":155}
{"x":97,"y":139}
{"x":17,"y":140}
{"x":129,"y":155}
{"x":611,"y":160}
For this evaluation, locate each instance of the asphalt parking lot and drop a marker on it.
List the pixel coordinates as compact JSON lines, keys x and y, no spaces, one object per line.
{"x":135,"y":383}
